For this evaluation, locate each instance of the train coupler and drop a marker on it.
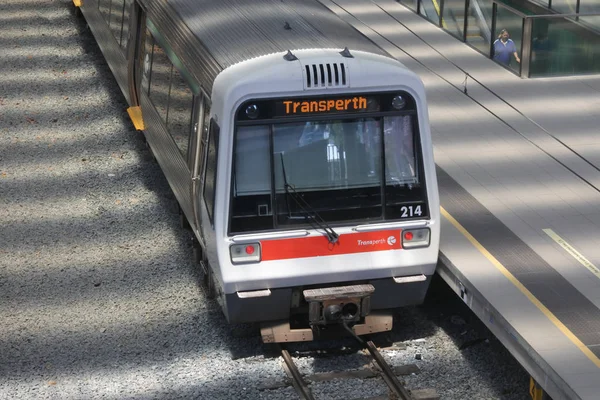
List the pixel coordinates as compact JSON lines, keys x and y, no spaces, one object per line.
{"x":340,"y":304}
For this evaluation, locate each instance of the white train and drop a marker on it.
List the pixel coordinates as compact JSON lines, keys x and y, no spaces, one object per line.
{"x":299,"y":152}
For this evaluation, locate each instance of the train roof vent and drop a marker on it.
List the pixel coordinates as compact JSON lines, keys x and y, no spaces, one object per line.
{"x":319,"y":76}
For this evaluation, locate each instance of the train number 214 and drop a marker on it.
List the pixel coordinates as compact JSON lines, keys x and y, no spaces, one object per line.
{"x":410,"y":211}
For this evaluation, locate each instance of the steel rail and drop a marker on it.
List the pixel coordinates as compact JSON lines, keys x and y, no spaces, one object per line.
{"x":388,"y":375}
{"x":290,"y":368}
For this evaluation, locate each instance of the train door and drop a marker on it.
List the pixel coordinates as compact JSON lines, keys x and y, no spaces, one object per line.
{"x":197,"y":158}
{"x":199,"y":144}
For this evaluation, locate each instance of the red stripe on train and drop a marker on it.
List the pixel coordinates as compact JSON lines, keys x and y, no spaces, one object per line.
{"x":319,"y":246}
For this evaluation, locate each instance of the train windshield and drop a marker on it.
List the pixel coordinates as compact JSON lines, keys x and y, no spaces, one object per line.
{"x":347,"y":170}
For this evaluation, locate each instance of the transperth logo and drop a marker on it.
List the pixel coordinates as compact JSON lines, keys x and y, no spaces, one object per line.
{"x":391,"y":240}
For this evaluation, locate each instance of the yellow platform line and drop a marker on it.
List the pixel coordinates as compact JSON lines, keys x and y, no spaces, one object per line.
{"x":571,"y":250}
{"x":566,"y":331}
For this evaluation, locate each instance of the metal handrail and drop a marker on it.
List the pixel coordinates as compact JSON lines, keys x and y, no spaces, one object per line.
{"x":526,"y":16}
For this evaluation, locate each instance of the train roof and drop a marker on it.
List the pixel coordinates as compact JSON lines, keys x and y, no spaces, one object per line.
{"x":211,"y":35}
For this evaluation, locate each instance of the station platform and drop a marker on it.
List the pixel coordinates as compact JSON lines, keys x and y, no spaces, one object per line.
{"x":519,"y":174}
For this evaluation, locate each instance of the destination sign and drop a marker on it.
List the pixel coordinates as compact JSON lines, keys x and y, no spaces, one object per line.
{"x":317,"y":106}
{"x":343,"y":104}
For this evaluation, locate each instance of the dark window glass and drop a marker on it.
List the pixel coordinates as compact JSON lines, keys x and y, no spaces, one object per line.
{"x":350,"y":169}
{"x":334,"y":165}
{"x":180,"y":112}
{"x":161,"y":81}
{"x":104,"y":8}
{"x":125,"y":26}
{"x":252,"y":203}
{"x":211,"y":170}
{"x":147,"y":62}
{"x":403,"y":188}
{"x":116,"y":18}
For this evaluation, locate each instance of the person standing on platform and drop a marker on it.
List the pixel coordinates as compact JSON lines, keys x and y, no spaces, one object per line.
{"x":504,"y":47}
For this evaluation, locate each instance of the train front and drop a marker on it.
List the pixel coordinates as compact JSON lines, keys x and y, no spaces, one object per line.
{"x":331,"y":211}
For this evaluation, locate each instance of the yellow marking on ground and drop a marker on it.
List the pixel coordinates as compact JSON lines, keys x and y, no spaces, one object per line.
{"x":78,"y":3}
{"x":589,"y":354}
{"x":135,"y":113}
{"x":571,"y":250}
{"x":437,"y":10}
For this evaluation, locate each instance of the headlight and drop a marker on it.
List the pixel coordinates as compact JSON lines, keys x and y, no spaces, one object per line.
{"x":245,"y":253}
{"x":415,"y":238}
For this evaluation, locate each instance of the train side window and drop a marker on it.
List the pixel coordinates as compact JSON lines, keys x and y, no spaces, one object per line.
{"x":104,"y":8}
{"x":210,"y":176}
{"x":180,"y":112}
{"x":147,"y":62}
{"x":125,"y":26}
{"x":160,"y":84}
{"x":115,"y":22}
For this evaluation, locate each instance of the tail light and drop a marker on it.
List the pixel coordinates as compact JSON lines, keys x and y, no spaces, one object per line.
{"x":245,"y":253}
{"x":415,"y":238}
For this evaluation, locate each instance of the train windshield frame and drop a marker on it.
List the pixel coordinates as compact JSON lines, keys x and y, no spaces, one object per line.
{"x":289,"y":164}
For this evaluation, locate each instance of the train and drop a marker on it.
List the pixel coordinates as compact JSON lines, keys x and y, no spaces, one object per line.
{"x":299,"y":152}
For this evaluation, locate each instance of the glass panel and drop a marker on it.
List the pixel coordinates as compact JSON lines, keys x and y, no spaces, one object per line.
{"x":328,"y":154}
{"x":480,"y":25}
{"x":543,"y":3}
{"x":252,"y":180}
{"x":412,"y":4}
{"x":401,"y":170}
{"x":507,"y":46}
{"x":104,"y":8}
{"x":116,"y":18}
{"x":180,"y":112}
{"x":590,"y":7}
{"x":454,"y":17}
{"x":400,"y":167}
{"x":562,"y":47}
{"x":160,"y":83}
{"x":125,"y":30}
{"x":430,"y":9}
{"x":252,"y":161}
{"x":147,"y":67}
{"x":334,"y":166}
{"x":564,"y":6}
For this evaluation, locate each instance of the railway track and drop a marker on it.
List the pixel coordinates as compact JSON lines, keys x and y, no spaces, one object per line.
{"x":380,"y":368}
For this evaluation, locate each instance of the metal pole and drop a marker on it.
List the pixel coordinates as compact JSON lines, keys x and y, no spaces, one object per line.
{"x":526,"y":48}
{"x":466,"y":25}
{"x":493,"y":30}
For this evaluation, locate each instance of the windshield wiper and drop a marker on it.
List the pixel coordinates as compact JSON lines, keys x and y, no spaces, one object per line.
{"x":310,"y":214}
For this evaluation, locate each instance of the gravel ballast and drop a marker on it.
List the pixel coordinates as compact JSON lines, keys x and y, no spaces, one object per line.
{"x":99,"y":298}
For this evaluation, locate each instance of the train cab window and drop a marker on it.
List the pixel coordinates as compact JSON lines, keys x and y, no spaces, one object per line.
{"x":401,"y":169}
{"x":342,"y":166}
{"x":180,"y":112}
{"x":251,"y":208}
{"x":334,"y":164}
{"x":210,"y":176}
